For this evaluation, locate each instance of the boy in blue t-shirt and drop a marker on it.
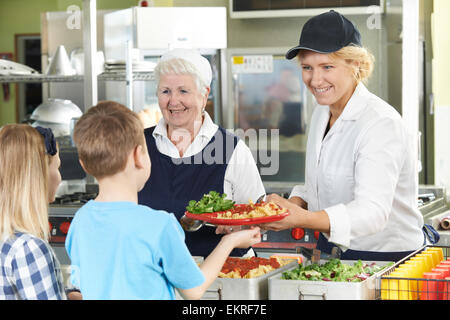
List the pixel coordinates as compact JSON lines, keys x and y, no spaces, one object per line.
{"x":122,"y":250}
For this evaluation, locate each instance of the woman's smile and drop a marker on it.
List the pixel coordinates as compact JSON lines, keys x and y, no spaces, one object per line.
{"x":177,"y":110}
{"x":330,"y":81}
{"x":322,"y":90}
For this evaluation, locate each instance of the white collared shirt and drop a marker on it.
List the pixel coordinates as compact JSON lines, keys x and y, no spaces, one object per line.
{"x":242,"y":180}
{"x":364,"y":175}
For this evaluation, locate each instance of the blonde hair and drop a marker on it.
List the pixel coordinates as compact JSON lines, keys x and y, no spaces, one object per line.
{"x":105,"y":135}
{"x":24,"y":187}
{"x":365,"y":61}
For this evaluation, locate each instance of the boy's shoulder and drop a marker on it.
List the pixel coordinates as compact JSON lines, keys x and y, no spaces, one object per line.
{"x":154,"y":213}
{"x":132,"y":209}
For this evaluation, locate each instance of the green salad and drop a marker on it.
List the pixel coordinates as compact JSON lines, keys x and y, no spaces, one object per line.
{"x":211,"y":202}
{"x":334,"y":270}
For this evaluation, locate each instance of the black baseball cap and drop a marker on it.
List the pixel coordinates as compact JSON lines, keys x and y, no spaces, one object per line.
{"x":325,"y":33}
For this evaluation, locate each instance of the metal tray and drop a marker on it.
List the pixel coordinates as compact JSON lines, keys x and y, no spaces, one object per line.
{"x":243,"y":289}
{"x":280,"y":289}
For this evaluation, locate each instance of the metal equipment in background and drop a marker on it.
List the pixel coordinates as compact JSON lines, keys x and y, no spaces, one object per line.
{"x":130,"y":26}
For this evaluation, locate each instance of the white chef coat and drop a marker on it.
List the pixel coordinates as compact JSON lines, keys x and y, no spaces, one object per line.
{"x":364,"y":175}
{"x":242,"y":180}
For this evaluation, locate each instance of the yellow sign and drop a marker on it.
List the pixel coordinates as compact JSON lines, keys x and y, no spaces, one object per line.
{"x":238,"y":60}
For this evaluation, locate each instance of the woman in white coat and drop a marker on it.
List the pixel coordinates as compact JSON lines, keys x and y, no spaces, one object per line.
{"x":361,"y":177}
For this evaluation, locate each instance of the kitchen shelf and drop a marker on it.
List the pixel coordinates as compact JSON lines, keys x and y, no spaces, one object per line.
{"x":40,"y":78}
{"x":137,"y":76}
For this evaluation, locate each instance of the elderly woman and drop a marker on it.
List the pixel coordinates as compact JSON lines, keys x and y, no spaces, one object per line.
{"x":190,"y":154}
{"x":361,"y":177}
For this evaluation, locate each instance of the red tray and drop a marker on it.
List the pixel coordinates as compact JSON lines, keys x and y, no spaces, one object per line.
{"x":211,"y":217}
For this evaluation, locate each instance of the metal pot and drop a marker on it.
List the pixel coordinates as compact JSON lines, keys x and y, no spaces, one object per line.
{"x":56,"y":114}
{"x":59,"y":129}
{"x":56,"y":111}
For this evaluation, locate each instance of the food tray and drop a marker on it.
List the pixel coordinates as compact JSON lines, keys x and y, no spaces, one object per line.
{"x":211,"y":218}
{"x":280,"y":289}
{"x":243,"y":289}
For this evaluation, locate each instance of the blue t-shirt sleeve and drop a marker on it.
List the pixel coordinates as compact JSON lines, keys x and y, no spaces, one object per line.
{"x":178,"y":264}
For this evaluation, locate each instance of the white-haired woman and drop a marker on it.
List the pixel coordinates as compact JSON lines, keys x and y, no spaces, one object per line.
{"x":361,"y":178}
{"x":191,"y":155}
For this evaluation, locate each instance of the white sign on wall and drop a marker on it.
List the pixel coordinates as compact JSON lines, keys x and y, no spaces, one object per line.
{"x":252,"y":64}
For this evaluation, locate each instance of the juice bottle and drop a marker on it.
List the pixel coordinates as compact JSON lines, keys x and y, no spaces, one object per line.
{"x":411,"y":272}
{"x":426,"y":262}
{"x":393,"y":287}
{"x":429,"y":287}
{"x":434,"y":257}
{"x":428,"y":258}
{"x":441,"y":284}
{"x":419,"y":271}
{"x":439,"y":251}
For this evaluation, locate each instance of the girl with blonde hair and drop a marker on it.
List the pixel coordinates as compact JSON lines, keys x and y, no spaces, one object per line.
{"x":29,"y":177}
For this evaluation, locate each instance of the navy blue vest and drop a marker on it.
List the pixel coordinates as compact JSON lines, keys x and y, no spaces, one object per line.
{"x":325,"y":246}
{"x":174,"y":182}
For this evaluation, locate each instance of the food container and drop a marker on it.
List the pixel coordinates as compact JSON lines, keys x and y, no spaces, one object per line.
{"x":243,"y":289}
{"x":281,"y":289}
{"x":429,"y":280}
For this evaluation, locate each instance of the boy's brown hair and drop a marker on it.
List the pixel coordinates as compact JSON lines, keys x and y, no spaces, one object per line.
{"x":105,"y":135}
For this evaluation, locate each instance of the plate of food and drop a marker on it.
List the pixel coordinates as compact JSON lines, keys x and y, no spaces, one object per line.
{"x":230,"y":213}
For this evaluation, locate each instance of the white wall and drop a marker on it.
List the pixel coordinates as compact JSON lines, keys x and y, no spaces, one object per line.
{"x":441,"y":90}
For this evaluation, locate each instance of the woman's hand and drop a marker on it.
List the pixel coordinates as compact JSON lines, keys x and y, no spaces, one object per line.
{"x":298,"y":217}
{"x":291,"y":221}
{"x":299,"y":202}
